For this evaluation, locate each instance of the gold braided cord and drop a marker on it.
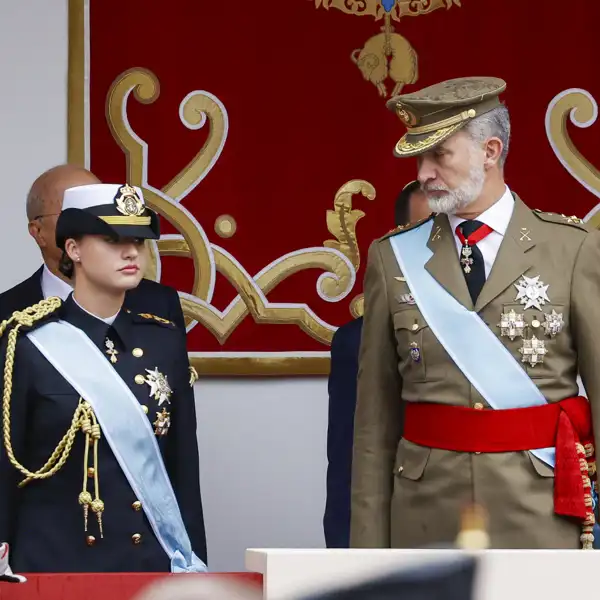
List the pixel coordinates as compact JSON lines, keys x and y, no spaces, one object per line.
{"x":27,"y":318}
{"x":84,"y":418}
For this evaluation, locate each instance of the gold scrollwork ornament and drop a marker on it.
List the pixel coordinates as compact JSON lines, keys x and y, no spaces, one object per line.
{"x":339,"y":258}
{"x":581,"y":109}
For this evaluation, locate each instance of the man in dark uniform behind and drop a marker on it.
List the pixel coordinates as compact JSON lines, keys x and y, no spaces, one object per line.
{"x":411,"y":205}
{"x":44,"y":202}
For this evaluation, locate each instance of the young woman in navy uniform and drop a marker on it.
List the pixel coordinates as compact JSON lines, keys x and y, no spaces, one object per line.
{"x":99,"y":467}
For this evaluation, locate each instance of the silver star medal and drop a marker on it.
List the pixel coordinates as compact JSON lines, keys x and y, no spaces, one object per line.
{"x":533,"y":351}
{"x":511,"y":324}
{"x":532,"y":292}
{"x":159,"y":386}
{"x":553,"y":323}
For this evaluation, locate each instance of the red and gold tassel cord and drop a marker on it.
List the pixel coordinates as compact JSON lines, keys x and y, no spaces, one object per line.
{"x":587,"y":462}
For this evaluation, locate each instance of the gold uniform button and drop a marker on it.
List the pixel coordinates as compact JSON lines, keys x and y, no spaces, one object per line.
{"x":400,"y":469}
{"x":136,"y":538}
{"x":90,"y":540}
{"x":139,"y":379}
{"x":137,"y":352}
{"x":145,"y":408}
{"x":91,"y":472}
{"x":137,"y":505}
{"x":415,"y":326}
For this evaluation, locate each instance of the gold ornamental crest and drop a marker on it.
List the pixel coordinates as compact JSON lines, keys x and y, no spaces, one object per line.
{"x":387,"y":55}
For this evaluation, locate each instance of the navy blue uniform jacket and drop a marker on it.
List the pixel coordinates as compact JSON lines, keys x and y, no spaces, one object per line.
{"x":43,"y":521}
{"x":342,"y":403}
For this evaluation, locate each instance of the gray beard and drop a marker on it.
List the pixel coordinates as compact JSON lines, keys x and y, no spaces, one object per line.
{"x":460,"y":197}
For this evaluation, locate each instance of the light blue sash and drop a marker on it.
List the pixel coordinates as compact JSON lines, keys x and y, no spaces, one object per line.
{"x":126,"y":429}
{"x":479,"y":354}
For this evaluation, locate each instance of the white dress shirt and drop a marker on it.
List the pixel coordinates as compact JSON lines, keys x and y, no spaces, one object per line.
{"x":497,"y":217}
{"x":55,"y":286}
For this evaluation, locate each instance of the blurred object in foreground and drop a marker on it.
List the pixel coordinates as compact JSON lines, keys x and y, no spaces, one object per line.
{"x":199,"y":587}
{"x":452,"y":579}
{"x":473,"y":533}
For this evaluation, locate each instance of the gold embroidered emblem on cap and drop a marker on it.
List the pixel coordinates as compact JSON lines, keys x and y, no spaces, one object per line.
{"x":128,"y":202}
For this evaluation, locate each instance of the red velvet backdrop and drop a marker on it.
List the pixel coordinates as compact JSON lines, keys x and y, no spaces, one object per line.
{"x":303,"y":120}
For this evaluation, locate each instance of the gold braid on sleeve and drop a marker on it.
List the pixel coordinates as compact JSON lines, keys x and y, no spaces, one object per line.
{"x":83,"y":418}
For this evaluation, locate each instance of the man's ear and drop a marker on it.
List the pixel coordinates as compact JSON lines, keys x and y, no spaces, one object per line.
{"x":493,"y":152}
{"x":35,"y":231}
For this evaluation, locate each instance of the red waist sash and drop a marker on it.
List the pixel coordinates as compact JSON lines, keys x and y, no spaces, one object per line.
{"x":565,"y":425}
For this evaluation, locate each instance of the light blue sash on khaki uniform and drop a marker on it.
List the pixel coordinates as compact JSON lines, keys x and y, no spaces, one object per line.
{"x":491,"y":369}
{"x":127,"y":431}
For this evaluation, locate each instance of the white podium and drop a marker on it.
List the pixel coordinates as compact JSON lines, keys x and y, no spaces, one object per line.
{"x":502,"y":574}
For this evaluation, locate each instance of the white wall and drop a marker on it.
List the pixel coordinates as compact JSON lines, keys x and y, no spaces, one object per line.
{"x":262,"y":442}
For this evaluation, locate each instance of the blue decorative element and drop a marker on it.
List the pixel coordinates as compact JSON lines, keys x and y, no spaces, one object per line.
{"x":388,"y":5}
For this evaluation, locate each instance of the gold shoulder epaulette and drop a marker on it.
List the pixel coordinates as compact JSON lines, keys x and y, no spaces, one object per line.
{"x":156,"y":319}
{"x":31,"y":315}
{"x":561,"y":219}
{"x":407,"y":227}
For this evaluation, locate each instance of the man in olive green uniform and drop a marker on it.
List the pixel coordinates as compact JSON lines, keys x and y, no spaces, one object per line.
{"x":476,"y":323}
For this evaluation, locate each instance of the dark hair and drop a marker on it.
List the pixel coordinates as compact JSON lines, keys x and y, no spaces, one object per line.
{"x":402,"y":208}
{"x":65,"y":264}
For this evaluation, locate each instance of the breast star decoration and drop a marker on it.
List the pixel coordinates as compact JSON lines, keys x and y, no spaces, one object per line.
{"x":511,"y":325}
{"x":159,"y":386}
{"x":533,"y":351}
{"x":553,"y":323}
{"x":532,"y":292}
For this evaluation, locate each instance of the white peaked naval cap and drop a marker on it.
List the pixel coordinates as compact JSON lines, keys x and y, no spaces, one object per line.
{"x":115,"y":210}
{"x":96,"y":194}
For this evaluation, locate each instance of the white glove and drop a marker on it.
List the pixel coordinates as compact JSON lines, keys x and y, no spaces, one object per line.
{"x":6,"y":573}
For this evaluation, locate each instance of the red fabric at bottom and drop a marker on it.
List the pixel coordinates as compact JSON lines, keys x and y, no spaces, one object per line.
{"x":98,"y":586}
{"x":561,"y":424}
